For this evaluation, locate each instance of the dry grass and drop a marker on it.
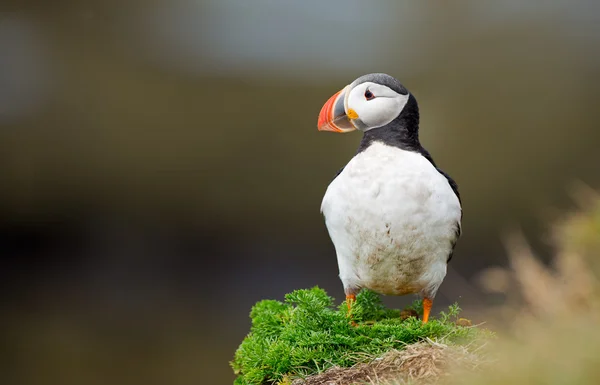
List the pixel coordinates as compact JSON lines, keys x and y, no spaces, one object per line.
{"x":553,"y":312}
{"x":425,"y":362}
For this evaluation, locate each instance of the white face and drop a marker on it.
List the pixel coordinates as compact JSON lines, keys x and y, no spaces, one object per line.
{"x":376,"y":105}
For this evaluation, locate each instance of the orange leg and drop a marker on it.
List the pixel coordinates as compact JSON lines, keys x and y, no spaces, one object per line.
{"x":427,"y":303}
{"x":350,"y":299}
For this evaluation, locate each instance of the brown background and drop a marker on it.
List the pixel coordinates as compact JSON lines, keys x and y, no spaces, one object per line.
{"x":160,"y":168}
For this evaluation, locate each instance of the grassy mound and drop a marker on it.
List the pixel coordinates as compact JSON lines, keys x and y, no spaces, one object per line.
{"x":422,"y":363}
{"x":306,"y":334}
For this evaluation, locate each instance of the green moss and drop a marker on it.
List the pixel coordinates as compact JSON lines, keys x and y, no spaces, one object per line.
{"x":306,"y":334}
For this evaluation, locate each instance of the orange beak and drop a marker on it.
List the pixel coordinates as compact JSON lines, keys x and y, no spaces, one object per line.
{"x":333,"y":115}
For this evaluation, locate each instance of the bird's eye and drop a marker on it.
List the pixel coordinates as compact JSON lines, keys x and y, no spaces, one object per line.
{"x":369,"y":95}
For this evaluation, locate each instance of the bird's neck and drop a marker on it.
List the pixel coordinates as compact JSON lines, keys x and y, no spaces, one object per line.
{"x":403,"y":132}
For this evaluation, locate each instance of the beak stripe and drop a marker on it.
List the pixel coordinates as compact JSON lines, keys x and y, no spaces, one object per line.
{"x":333,"y":115}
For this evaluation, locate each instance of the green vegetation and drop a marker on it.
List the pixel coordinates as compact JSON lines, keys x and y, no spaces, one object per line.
{"x":306,"y":334}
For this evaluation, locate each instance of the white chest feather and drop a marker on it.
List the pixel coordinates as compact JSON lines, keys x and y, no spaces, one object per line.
{"x":393,"y":219}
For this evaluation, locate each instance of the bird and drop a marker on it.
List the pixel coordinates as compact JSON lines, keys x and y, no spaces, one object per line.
{"x":392,"y":215}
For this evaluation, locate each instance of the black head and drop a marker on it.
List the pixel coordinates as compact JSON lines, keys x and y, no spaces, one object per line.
{"x":384,"y":80}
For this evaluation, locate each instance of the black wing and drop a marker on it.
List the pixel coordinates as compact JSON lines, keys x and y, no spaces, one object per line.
{"x":458,"y":229}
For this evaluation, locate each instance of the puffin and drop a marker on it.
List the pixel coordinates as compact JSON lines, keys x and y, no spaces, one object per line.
{"x":393,"y":216}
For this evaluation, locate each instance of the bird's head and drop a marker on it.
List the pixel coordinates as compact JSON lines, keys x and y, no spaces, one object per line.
{"x":371,"y":101}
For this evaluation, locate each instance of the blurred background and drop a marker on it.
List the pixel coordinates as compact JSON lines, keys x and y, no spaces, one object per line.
{"x":161,"y":171}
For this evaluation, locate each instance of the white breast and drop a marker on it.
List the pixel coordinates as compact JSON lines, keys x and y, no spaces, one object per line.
{"x":392,"y":218}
